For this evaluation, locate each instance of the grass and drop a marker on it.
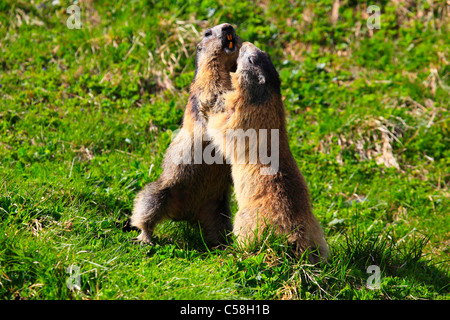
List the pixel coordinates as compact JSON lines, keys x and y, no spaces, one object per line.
{"x":87,"y":114}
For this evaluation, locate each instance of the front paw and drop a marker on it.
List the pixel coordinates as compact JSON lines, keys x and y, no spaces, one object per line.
{"x":203,"y":110}
{"x":209,"y":107}
{"x":144,"y":237}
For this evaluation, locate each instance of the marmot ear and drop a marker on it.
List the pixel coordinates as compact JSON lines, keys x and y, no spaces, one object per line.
{"x":261,"y":78}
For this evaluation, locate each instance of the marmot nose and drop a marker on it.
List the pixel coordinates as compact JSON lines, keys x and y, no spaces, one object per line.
{"x":227,"y":29}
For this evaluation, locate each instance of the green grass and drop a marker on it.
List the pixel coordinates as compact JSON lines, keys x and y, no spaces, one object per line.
{"x":86,"y":116}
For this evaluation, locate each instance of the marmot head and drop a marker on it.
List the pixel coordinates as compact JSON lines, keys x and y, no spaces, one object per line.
{"x":256,"y":75}
{"x":218,"y":49}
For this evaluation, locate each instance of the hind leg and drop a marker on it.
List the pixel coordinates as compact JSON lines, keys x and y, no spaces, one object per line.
{"x":150,"y":208}
{"x":248,"y":227}
{"x":318,"y":242}
{"x":215,"y":221}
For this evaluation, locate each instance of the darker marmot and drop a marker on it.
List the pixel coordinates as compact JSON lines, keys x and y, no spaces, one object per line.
{"x":187,"y":189}
{"x":272,"y":195}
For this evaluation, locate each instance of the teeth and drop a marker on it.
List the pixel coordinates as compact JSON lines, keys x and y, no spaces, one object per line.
{"x":230,"y":37}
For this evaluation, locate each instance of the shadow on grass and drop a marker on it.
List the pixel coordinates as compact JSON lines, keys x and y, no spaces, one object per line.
{"x":402,"y":260}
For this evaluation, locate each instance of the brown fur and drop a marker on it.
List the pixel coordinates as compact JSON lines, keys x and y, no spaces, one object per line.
{"x":194,"y":192}
{"x":281,"y":200}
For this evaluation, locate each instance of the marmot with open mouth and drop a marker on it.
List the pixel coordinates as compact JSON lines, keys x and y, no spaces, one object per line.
{"x":196,"y":192}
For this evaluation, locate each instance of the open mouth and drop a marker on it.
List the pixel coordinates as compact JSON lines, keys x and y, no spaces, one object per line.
{"x":230,"y":45}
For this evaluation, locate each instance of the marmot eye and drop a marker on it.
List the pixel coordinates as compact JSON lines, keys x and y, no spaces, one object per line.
{"x":208,"y":33}
{"x":250,"y":59}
